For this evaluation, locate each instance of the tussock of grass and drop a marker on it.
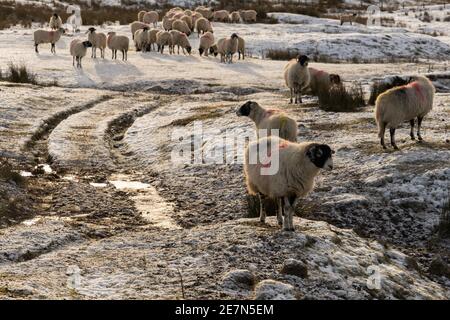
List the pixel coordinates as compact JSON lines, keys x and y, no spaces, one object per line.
{"x":444,"y":220}
{"x":18,"y":74}
{"x":340,"y":99}
{"x":7,"y":174}
{"x":196,"y":117}
{"x":378,"y":87}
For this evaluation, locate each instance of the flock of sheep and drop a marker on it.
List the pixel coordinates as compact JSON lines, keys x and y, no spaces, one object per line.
{"x":299,"y":163}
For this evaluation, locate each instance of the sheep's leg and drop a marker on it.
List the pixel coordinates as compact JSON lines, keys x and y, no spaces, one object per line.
{"x":292,"y":94}
{"x":53,"y":48}
{"x":419,"y":125}
{"x":123,"y":55}
{"x":280,"y":211}
{"x":286,"y":213}
{"x":36,"y":48}
{"x":412,"y":130}
{"x":381,"y":135}
{"x":262,"y":212}
{"x":73,"y":61}
{"x":394,"y":145}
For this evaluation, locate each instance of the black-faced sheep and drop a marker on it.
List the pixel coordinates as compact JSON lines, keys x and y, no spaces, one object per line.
{"x":44,"y":36}
{"x":321,"y":80}
{"x":227,"y":47}
{"x":117,"y":42}
{"x":296,"y":77}
{"x":55,"y":22}
{"x":98,"y":40}
{"x":78,"y":50}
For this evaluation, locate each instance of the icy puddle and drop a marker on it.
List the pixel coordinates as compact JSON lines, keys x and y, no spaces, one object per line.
{"x":147,"y":200}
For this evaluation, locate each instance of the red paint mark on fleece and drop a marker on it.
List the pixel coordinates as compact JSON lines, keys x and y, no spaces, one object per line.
{"x":271,"y":112}
{"x":282,"y":145}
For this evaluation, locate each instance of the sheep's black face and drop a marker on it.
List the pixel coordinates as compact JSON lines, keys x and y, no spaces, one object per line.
{"x":55,"y":15}
{"x":188,"y":49}
{"x":234,"y":36}
{"x":200,"y":50}
{"x":91,"y":29}
{"x":303,"y":60}
{"x":245,"y":109}
{"x":87,"y":44}
{"x":321,"y":155}
{"x":335,"y":79}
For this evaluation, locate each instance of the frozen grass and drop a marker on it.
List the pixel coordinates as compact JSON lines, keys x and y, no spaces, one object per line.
{"x":7,"y":174}
{"x":444,"y":221}
{"x":340,"y":99}
{"x":18,"y":74}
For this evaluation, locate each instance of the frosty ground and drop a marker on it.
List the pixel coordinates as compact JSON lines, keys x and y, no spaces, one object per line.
{"x":114,"y":209}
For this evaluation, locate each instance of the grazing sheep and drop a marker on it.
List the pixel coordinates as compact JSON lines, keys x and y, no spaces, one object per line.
{"x":202,"y":25}
{"x":214,"y":50}
{"x":188,"y":13}
{"x":180,"y":39}
{"x":141,"y":15}
{"x":164,"y":38}
{"x":78,"y":50}
{"x":181,"y":26}
{"x":116,"y":42}
{"x":44,"y":36}
{"x":248,"y":15}
{"x":195,"y":16}
{"x":206,"y":41}
{"x":178,"y":15}
{"x":167,"y":23}
{"x":152,"y":38}
{"x":241,"y":48}
{"x":205,"y":12}
{"x":404,"y":103}
{"x":141,"y":38}
{"x":235,"y":17}
{"x":296,"y":76}
{"x":348,"y":18}
{"x":322,"y":80}
{"x":269,"y":120}
{"x":188,"y":21}
{"x":136,"y":25}
{"x":98,"y":40}
{"x":55,"y":22}
{"x":151,"y":17}
{"x":227,"y":47}
{"x":285,"y":172}
{"x":221,"y":15}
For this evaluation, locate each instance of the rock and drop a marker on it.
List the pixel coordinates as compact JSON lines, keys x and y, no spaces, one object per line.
{"x":275,"y":290}
{"x":295,"y":268}
{"x":439,"y":267}
{"x":239,"y":279}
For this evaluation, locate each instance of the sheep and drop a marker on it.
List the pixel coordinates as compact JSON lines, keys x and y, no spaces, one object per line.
{"x":348,"y":18}
{"x":241,"y":48}
{"x":248,"y":15}
{"x":221,"y":15}
{"x":98,"y":40}
{"x":205,"y":12}
{"x":202,"y":25}
{"x":188,"y":21}
{"x":151,"y":17}
{"x":164,"y":38}
{"x":404,"y":103}
{"x":296,"y":76}
{"x":285,"y":172}
{"x":141,"y":39}
{"x":141,"y":15}
{"x":195,"y":16}
{"x":206,"y":41}
{"x":214,"y":50}
{"x":167,"y":23}
{"x":152,"y":38}
{"x":55,"y":22}
{"x":181,"y":26}
{"x":235,"y":17}
{"x":116,"y":42}
{"x":269,"y":120}
{"x":44,"y":36}
{"x":180,"y":39}
{"x":320,"y":80}
{"x":188,"y":13}
{"x":78,"y":50}
{"x":178,"y":15}
{"x":227,"y":47}
{"x":136,"y":25}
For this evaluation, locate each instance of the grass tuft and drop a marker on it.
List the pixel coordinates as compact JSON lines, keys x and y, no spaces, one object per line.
{"x":18,"y":73}
{"x":338,"y":98}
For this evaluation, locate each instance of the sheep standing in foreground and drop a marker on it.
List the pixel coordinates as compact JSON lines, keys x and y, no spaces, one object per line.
{"x":117,"y":42}
{"x":78,"y":50}
{"x":181,"y":26}
{"x":180,"y":39}
{"x":202,"y":25}
{"x":44,"y":36}
{"x":296,"y":76}
{"x":404,"y":103}
{"x":269,"y":120}
{"x":321,"y":80}
{"x":248,"y":15}
{"x":151,"y":17}
{"x":235,"y":17}
{"x":241,"y":48}
{"x":227,"y":47}
{"x":98,"y":40}
{"x":136,"y":25}
{"x":55,"y":22}
{"x":206,"y":41}
{"x":283,"y":170}
{"x":348,"y":18}
{"x":141,"y":39}
{"x":164,"y":38}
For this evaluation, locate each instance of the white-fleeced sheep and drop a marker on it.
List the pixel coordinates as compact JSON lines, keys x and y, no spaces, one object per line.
{"x":44,"y":36}
{"x":151,"y":17}
{"x":227,"y":47}
{"x":164,"y":38}
{"x":188,"y":13}
{"x":98,"y":41}
{"x":348,"y":18}
{"x":221,"y":16}
{"x":55,"y":22}
{"x":141,"y":15}
{"x":141,"y":39}
{"x":235,"y":17}
{"x":241,"y":48}
{"x":118,"y":42}
{"x":404,"y":103}
{"x":296,"y":77}
{"x":214,"y":50}
{"x":136,"y":25}
{"x":167,"y":23}
{"x":202,"y":25}
{"x":195,"y":16}
{"x":188,"y":21}
{"x":271,"y":119}
{"x":152,"y":38}
{"x":78,"y":50}
{"x":285,"y":171}
{"x":248,"y":15}
{"x":180,"y":39}
{"x":205,"y":12}
{"x":321,"y":80}
{"x":181,"y":26}
{"x":206,"y":41}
